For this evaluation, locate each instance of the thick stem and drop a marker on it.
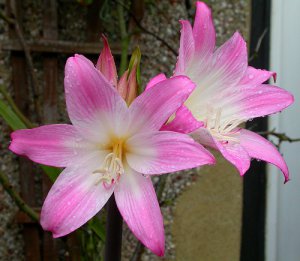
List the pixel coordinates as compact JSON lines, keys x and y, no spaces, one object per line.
{"x":16,"y":197}
{"x":114,"y":223}
{"x":124,"y":39}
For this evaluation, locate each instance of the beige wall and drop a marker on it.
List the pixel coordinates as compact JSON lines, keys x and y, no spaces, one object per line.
{"x":207,"y":218}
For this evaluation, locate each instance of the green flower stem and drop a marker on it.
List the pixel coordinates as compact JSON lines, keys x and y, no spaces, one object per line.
{"x":16,"y":197}
{"x":124,"y":39}
{"x":15,"y":107}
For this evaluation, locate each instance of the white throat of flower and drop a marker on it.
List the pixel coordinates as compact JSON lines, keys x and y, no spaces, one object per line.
{"x":219,"y":128}
{"x":112,"y":166}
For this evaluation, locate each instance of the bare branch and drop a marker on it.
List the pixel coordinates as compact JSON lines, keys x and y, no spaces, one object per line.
{"x":282,"y":137}
{"x":258,"y":45}
{"x":35,"y":88}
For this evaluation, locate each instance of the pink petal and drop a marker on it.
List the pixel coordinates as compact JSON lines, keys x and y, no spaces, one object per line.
{"x":236,"y":155}
{"x":263,"y":100}
{"x":246,"y":102}
{"x":260,"y":148}
{"x":231,"y":150}
{"x":57,"y":145}
{"x":164,"y":151}
{"x":196,"y":44}
{"x":187,"y":48}
{"x":106,"y":63}
{"x":152,"y":108}
{"x":230,"y":61}
{"x":256,"y":77}
{"x":184,"y":122}
{"x":217,"y":76}
{"x":93,"y":104}
{"x":123,"y":84}
{"x":132,"y":88}
{"x":156,"y":79}
{"x":203,"y":31}
{"x":137,"y":202}
{"x":76,"y":196}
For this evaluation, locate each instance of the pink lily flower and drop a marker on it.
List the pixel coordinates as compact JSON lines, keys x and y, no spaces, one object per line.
{"x":228,"y":93}
{"x":108,"y":149}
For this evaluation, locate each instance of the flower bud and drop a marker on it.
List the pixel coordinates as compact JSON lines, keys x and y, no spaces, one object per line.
{"x":129,"y":83}
{"x":106,"y":63}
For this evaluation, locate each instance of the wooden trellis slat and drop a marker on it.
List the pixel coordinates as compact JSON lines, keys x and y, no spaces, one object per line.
{"x":31,"y":231}
{"x":59,"y":46}
{"x":40,"y":245}
{"x":49,"y":96}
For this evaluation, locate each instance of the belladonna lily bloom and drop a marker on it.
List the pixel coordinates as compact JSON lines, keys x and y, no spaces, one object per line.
{"x":228,"y":92}
{"x":110,"y":148}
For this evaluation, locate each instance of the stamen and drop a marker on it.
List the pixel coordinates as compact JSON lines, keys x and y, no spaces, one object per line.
{"x":218,"y":119}
{"x":232,"y":125}
{"x":221,"y":130}
{"x":112,"y":167}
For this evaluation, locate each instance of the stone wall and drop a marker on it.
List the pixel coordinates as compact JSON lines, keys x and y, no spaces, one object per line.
{"x":201,"y":208}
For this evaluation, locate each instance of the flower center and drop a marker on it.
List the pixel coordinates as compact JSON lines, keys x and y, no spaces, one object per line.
{"x":221,"y":129}
{"x":112,"y":167}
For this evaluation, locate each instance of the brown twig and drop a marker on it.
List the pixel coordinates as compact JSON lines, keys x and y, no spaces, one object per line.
{"x":258,"y":45}
{"x":7,"y":19}
{"x":146,"y":31}
{"x":35,"y":89}
{"x":280,"y":136}
{"x":17,"y":199}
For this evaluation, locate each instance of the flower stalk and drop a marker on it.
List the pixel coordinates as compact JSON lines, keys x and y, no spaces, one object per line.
{"x":124,"y":39}
{"x":114,"y":224}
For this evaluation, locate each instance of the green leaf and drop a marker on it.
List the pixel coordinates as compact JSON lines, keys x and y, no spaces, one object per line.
{"x":10,"y":117}
{"x":51,"y":172}
{"x":97,"y":227}
{"x":85,"y":2}
{"x":16,"y":123}
{"x":135,"y":58}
